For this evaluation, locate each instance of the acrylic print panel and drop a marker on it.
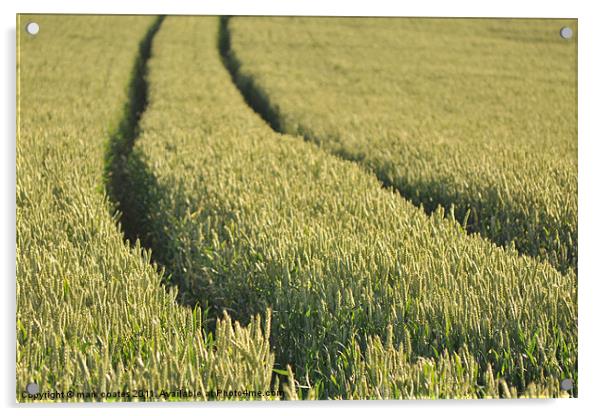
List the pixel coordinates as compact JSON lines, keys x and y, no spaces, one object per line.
{"x":282,"y":208}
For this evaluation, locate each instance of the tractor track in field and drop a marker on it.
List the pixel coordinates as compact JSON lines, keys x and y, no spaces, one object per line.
{"x":131,"y":186}
{"x":259,"y":101}
{"x":122,"y":140}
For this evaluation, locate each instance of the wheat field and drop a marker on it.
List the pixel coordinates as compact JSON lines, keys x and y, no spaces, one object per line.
{"x":295,"y":208}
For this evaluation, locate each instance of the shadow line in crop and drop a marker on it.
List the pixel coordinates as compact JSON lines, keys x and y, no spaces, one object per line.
{"x":253,"y":95}
{"x":499,"y":228}
{"x":122,"y":140}
{"x":142,"y":205}
{"x":131,"y":186}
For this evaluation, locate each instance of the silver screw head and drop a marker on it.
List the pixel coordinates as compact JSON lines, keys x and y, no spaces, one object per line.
{"x":566,"y":384}
{"x":32,"y":28}
{"x":32,"y":388}
{"x":566,"y":33}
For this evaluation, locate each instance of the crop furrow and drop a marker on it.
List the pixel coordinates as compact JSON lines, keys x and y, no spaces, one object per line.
{"x":530,"y":204}
{"x":117,"y":173}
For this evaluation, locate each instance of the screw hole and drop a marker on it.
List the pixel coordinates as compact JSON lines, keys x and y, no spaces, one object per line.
{"x":566,"y":33}
{"x":566,"y":384}
{"x":32,"y":28}
{"x":32,"y":388}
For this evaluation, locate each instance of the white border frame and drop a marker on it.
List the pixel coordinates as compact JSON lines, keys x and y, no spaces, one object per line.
{"x":590,"y":137}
